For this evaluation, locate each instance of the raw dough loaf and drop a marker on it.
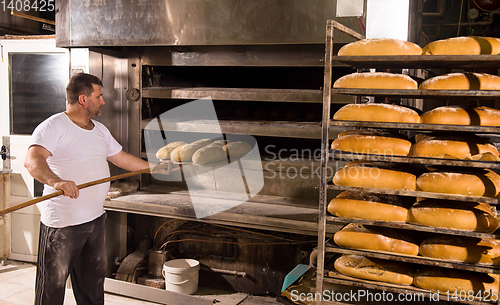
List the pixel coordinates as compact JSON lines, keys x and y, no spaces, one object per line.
{"x":453,"y":280}
{"x":164,"y":152}
{"x":462,"y":249}
{"x":465,"y":45}
{"x":237,"y":149}
{"x":374,"y":269}
{"x":376,"y":80}
{"x":462,"y":81}
{"x":457,"y":115}
{"x":377,"y":112}
{"x":365,"y":142}
{"x":218,"y":143}
{"x":374,"y":175}
{"x":209,"y":154}
{"x":445,"y":147}
{"x":375,"y":238}
{"x":370,"y":206}
{"x":184,"y":153}
{"x":457,"y":215}
{"x":481,"y":182}
{"x":380,"y":46}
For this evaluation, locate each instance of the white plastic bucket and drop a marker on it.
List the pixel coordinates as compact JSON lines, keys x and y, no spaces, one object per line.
{"x":181,"y":275}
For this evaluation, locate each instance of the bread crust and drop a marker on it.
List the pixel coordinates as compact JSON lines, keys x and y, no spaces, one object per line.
{"x":379,"y":46}
{"x":377,"y":112}
{"x":457,"y":115}
{"x":374,"y":269}
{"x":376,"y":80}
{"x":462,"y":81}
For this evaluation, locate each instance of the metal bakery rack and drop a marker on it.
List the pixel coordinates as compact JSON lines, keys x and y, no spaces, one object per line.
{"x":403,"y":62}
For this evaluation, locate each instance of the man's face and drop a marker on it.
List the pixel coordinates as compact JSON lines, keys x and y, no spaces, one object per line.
{"x":95,"y":102}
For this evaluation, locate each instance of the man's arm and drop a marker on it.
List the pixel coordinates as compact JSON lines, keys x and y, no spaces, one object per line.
{"x":36,"y":164}
{"x":132,"y":163}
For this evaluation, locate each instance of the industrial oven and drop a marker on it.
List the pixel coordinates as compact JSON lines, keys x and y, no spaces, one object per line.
{"x":262,"y":65}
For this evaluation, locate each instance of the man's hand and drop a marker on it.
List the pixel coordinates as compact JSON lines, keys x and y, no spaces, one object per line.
{"x":69,"y":188}
{"x":164,"y":168}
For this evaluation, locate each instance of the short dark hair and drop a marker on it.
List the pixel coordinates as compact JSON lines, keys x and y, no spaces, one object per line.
{"x":81,"y":83}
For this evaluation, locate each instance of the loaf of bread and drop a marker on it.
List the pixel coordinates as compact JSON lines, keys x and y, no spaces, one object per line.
{"x":374,"y":269}
{"x":462,"y":81}
{"x":184,"y":153}
{"x":456,"y":281}
{"x":457,"y":215}
{"x":375,"y":80}
{"x":457,"y":115}
{"x":209,"y":154}
{"x":480,"y":182}
{"x":237,"y":149}
{"x":164,"y":152}
{"x":449,"y":146}
{"x":462,"y":249}
{"x":369,"y":206}
{"x":372,"y":143}
{"x":355,"y":236}
{"x":453,"y":46}
{"x":377,"y":112}
{"x":465,"y":45}
{"x":218,"y":143}
{"x":374,"y":175}
{"x":380,"y":46}
{"x":489,"y":45}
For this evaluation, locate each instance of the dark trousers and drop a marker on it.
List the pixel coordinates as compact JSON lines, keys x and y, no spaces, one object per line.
{"x":79,"y":251}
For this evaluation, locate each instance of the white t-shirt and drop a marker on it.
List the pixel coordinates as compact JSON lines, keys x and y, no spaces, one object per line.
{"x":78,"y":155}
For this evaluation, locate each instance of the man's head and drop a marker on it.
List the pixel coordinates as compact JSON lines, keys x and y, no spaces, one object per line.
{"x":81,"y":84}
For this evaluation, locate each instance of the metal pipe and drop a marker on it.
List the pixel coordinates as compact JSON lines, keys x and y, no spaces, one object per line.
{"x":223,"y":271}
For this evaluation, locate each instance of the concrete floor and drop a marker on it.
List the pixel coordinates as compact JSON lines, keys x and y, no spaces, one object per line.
{"x":17,"y":282}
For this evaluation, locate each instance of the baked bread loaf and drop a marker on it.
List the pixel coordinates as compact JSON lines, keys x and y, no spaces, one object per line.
{"x":380,"y":46}
{"x":462,"y":81}
{"x":450,"y":146}
{"x":377,"y":112}
{"x":237,"y":149}
{"x":489,"y":45}
{"x":375,"y":80}
{"x":374,"y":269}
{"x":480,"y":182}
{"x":164,"y":152}
{"x":203,"y":142}
{"x":457,"y":215}
{"x":453,"y":280}
{"x":366,"y":142}
{"x":209,"y":154}
{"x":374,"y":175}
{"x":453,"y":46}
{"x":370,"y":206}
{"x":462,"y":249}
{"x":465,"y":45}
{"x":355,"y":236}
{"x":457,"y":115}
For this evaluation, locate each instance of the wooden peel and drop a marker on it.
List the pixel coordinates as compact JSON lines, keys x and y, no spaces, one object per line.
{"x":81,"y":186}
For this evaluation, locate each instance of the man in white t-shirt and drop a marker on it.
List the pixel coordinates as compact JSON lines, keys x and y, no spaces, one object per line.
{"x":66,"y":150}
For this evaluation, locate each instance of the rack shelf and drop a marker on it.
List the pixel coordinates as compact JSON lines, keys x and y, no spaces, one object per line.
{"x":414,"y":227}
{"x":416,"y":194}
{"x":421,"y":61}
{"x":417,"y":293}
{"x":421,"y":93}
{"x":352,"y":156}
{"x":416,"y":260}
{"x":416,"y":126}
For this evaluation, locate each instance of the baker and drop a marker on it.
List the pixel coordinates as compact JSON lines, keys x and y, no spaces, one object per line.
{"x":68,"y":149}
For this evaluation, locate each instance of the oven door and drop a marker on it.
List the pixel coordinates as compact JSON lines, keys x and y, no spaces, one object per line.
{"x":33,"y":75}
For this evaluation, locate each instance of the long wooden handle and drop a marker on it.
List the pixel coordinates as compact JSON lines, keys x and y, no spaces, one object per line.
{"x":81,"y":186}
